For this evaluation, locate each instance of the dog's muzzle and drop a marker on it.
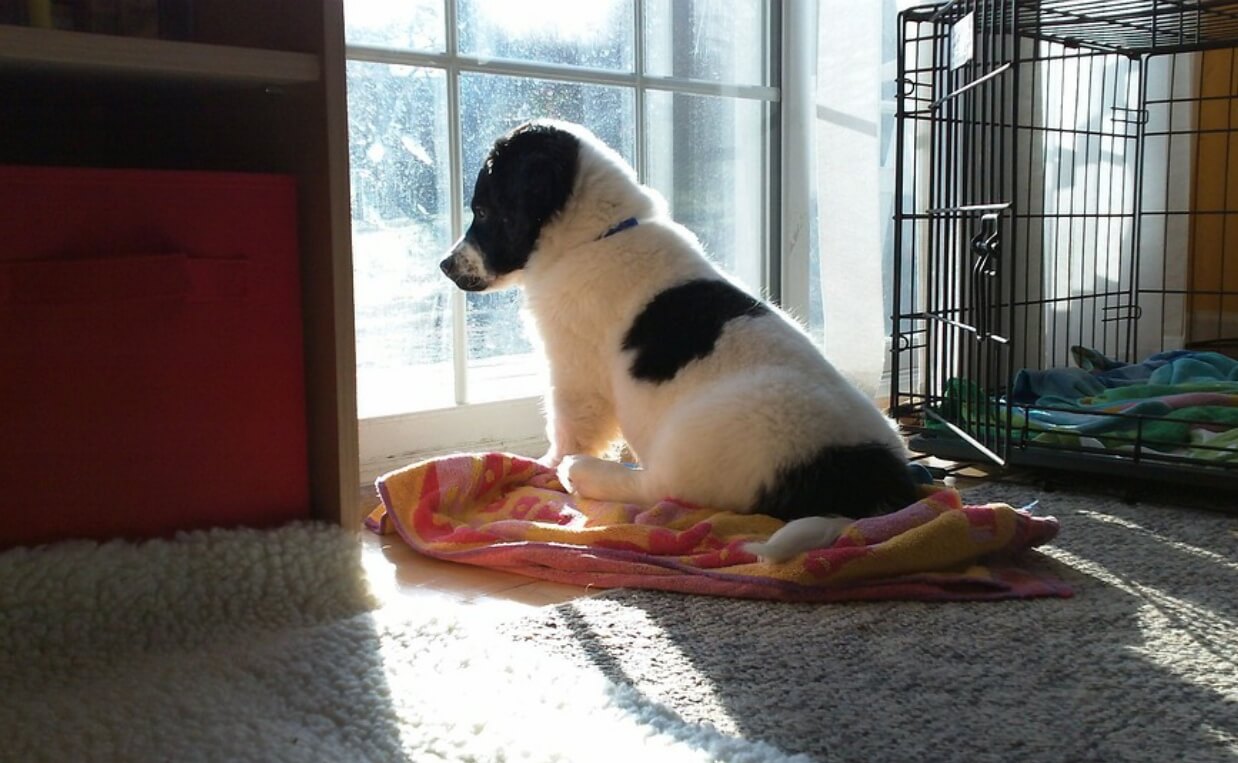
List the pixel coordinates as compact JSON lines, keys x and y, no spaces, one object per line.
{"x":465,"y":267}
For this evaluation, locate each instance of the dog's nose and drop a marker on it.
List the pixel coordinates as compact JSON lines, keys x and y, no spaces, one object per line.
{"x":445,"y":266}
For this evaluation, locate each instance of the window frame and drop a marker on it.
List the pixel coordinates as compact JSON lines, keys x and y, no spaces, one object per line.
{"x":517,"y":425}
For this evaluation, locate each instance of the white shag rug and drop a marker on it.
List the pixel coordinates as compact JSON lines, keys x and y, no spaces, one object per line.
{"x":248,"y":645}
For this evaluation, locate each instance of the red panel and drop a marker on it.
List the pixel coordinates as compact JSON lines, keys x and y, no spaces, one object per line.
{"x":151,"y":368}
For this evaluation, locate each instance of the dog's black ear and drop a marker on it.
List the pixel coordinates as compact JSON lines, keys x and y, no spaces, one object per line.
{"x":542,"y":172}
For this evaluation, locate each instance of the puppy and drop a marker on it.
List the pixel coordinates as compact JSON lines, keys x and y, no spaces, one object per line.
{"x":723,"y":398}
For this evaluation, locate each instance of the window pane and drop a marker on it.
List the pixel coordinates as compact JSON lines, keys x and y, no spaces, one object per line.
{"x":588,"y":33}
{"x":499,"y":352}
{"x":707,"y":155}
{"x":401,"y":224}
{"x":710,"y":40}
{"x":405,"y":25}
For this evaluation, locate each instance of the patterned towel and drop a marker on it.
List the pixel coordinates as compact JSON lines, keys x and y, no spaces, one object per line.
{"x":507,"y":512}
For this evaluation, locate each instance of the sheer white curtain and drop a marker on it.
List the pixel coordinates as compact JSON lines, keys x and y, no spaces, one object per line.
{"x":842,"y":69}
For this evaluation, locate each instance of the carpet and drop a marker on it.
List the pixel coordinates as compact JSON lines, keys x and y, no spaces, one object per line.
{"x":266,"y":646}
{"x":1141,"y":665}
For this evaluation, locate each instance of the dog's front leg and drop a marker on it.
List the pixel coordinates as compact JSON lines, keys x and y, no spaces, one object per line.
{"x":578,"y":422}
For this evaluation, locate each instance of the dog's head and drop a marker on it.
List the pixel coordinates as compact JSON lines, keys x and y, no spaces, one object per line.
{"x":525,"y":182}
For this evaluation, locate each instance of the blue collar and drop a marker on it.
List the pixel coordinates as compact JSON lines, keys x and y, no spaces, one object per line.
{"x":631,"y":222}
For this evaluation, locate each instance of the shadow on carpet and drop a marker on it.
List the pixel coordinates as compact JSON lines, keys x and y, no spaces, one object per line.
{"x":1141,"y":665}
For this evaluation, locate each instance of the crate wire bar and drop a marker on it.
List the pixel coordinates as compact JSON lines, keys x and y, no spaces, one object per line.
{"x":1062,"y":197}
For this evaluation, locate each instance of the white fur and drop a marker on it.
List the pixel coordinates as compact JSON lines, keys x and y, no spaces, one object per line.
{"x":765,"y":398}
{"x":799,"y":535}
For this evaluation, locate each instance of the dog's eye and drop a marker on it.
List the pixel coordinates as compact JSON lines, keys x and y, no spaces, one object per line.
{"x":480,"y":214}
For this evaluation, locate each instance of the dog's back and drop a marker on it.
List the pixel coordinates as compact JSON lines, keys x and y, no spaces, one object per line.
{"x":729,"y":404}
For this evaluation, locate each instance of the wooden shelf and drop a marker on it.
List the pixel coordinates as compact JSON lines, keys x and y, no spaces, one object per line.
{"x":53,"y":49}
{"x":91,"y":100}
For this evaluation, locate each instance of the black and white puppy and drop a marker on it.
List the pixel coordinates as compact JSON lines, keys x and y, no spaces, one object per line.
{"x":723,"y":398}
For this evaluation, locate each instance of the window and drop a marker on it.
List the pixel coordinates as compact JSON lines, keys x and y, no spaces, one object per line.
{"x":684,"y":89}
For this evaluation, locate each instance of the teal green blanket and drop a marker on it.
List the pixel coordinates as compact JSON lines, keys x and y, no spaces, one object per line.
{"x":1181,"y":402}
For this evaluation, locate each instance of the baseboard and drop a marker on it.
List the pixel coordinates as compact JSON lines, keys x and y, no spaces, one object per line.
{"x":374,"y":468}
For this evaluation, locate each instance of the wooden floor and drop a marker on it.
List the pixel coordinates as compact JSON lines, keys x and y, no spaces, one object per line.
{"x":400,"y":576}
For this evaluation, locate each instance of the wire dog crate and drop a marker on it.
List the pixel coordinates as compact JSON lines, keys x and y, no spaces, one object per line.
{"x":1066,"y":235}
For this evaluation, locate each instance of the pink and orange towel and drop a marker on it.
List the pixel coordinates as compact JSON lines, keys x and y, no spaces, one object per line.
{"x":506,"y":512}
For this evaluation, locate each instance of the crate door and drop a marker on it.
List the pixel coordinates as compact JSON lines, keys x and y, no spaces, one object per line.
{"x":956,"y":135}
{"x":967,"y":361}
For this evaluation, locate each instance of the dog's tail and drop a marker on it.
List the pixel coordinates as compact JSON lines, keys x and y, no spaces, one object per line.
{"x":798,"y":536}
{"x":858,"y":481}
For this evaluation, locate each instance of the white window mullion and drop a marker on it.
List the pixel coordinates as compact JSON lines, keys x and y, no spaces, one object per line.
{"x":540,"y":70}
{"x":797,"y":104}
{"x":638,"y":51}
{"x":459,"y":302}
{"x":659,"y":167}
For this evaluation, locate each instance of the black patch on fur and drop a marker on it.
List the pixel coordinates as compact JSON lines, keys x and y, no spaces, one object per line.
{"x":853,"y":481}
{"x":526,"y":180}
{"x":682,"y":324}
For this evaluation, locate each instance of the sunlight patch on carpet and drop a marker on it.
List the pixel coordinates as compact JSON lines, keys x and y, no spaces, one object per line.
{"x":462,"y":692}
{"x":1205,"y":555}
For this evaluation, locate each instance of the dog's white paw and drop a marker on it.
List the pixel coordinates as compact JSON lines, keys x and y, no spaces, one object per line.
{"x":577,"y":473}
{"x":602,"y":480}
